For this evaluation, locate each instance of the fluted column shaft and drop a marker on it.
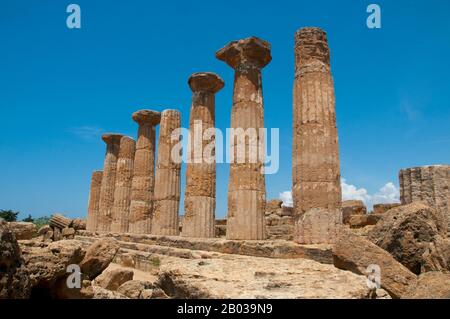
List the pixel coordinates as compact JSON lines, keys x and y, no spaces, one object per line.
{"x":108,"y":181}
{"x":430,"y":184}
{"x":316,"y":167}
{"x":94,"y":201}
{"x":246,"y":188}
{"x":167,"y":182}
{"x":122,"y":190}
{"x":143,"y":182}
{"x":200,"y":192}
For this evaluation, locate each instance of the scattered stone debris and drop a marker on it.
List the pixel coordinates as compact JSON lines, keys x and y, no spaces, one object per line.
{"x":60,"y":228}
{"x":23,"y":230}
{"x":351,"y":208}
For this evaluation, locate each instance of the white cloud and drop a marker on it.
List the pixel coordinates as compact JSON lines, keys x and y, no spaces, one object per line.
{"x":286,"y":197}
{"x":350,"y":192}
{"x":86,"y":132}
{"x":386,"y":194}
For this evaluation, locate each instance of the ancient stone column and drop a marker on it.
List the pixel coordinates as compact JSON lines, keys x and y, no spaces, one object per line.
{"x":430,"y":184}
{"x":122,"y":190}
{"x":200,"y":192}
{"x":315,"y":158}
{"x":316,"y":168}
{"x":94,"y":201}
{"x":108,"y":181}
{"x":246,"y":189}
{"x":143,"y":182}
{"x":167,"y":184}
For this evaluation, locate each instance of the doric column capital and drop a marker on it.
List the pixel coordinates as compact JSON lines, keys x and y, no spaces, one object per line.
{"x":205,"y":82}
{"x":246,"y":53}
{"x":112,"y":138}
{"x":143,"y":117}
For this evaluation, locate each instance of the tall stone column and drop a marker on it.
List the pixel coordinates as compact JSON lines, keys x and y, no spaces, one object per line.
{"x":246,"y":189}
{"x":315,"y":158}
{"x":122,"y":190}
{"x":200,"y":192}
{"x":143,"y":182}
{"x":430,"y":184}
{"x":167,"y":185}
{"x":108,"y":181}
{"x":94,"y":201}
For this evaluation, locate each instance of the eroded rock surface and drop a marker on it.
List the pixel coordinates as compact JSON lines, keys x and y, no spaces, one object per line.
{"x":354,"y":253}
{"x":250,"y":277}
{"x":47,"y":264}
{"x":98,"y":256}
{"x":414,"y":235}
{"x":23,"y":230}
{"x":430,"y":285}
{"x":112,"y":279}
{"x":14,"y":277}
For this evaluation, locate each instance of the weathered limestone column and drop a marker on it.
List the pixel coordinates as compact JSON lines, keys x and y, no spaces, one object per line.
{"x":94,"y":201}
{"x":122,"y":190}
{"x":108,"y":181}
{"x":143,"y":182}
{"x":430,"y":184}
{"x":167,"y":185}
{"x":200,"y":192}
{"x":246,"y":189}
{"x":315,"y":158}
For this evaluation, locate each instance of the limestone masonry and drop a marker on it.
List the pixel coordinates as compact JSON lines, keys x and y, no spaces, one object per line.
{"x":94,"y":199}
{"x":108,"y":181}
{"x":143,"y":182}
{"x":122,"y":189}
{"x":246,"y":185}
{"x":315,"y":156}
{"x":168,"y":188}
{"x":430,"y":184}
{"x":200,"y":192}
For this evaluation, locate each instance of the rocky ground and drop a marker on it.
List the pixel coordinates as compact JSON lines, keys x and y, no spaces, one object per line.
{"x":409,"y":243}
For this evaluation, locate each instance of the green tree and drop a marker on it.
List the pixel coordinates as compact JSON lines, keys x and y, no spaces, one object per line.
{"x":9,"y":215}
{"x":41,"y":221}
{"x":29,"y":219}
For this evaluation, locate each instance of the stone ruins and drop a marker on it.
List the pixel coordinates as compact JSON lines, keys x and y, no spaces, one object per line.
{"x":430,"y":184}
{"x":200,"y":193}
{"x":122,"y":188}
{"x":138,"y":191}
{"x":168,"y":177}
{"x":143,"y":182}
{"x":94,"y":201}
{"x":246,"y":186}
{"x":106,"y":199}
{"x":135,"y":245}
{"x":315,"y":156}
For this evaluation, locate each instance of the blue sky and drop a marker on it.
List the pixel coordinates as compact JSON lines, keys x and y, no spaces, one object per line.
{"x":61,"y":88}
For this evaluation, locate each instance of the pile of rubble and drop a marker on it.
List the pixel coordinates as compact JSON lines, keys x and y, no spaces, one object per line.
{"x":279,"y":220}
{"x":39,"y":270}
{"x":354,"y":213}
{"x":61,"y":227}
